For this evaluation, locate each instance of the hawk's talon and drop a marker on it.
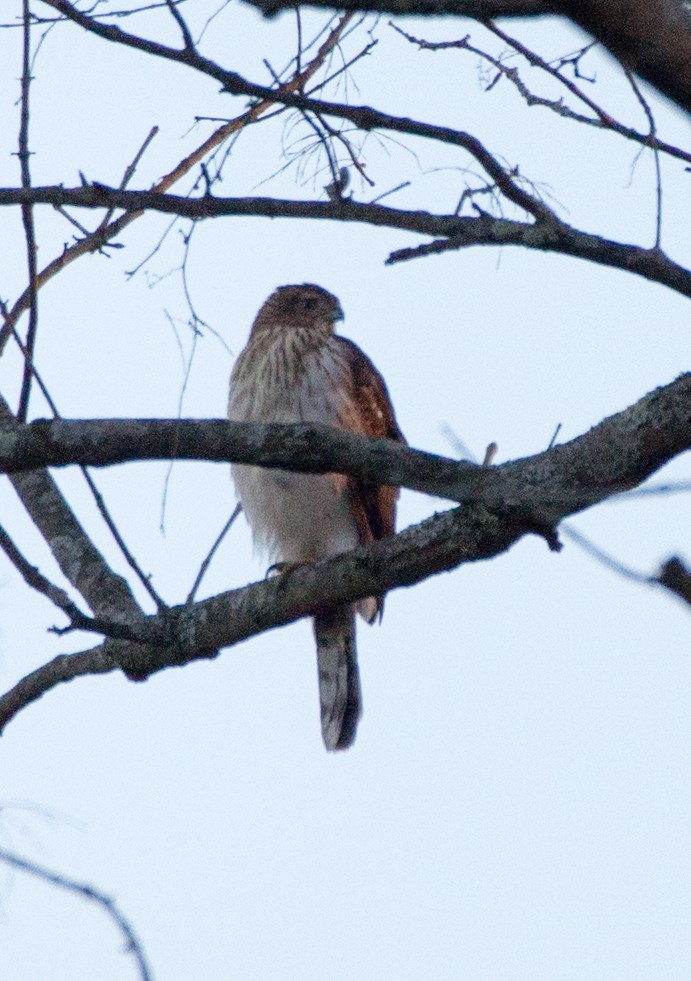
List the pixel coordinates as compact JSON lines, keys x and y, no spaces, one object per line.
{"x":280,"y":568}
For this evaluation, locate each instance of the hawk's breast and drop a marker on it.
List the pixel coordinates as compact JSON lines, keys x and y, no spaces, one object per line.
{"x":294,"y":517}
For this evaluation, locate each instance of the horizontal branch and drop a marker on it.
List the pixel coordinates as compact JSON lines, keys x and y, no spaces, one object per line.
{"x":502,"y":504}
{"x":475,"y":9}
{"x":547,"y":234}
{"x":624,"y":448}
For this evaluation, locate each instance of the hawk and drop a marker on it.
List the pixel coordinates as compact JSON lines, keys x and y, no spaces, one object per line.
{"x":295,"y":368}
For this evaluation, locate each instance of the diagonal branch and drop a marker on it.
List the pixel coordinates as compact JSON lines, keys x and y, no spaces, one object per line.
{"x":600,"y":118}
{"x":81,"y":563}
{"x":34,"y":578}
{"x":108,"y":230}
{"x":651,"y":37}
{"x":132,"y":943}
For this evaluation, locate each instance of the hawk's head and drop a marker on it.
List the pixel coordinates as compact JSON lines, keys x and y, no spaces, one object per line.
{"x":299,"y":307}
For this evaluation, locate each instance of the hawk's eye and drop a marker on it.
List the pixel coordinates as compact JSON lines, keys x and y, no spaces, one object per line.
{"x":310,"y":303}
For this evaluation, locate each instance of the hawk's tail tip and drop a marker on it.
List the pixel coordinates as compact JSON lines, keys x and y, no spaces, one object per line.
{"x":339,"y":679}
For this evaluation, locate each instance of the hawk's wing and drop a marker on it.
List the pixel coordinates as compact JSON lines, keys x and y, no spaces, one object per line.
{"x":374,"y":506}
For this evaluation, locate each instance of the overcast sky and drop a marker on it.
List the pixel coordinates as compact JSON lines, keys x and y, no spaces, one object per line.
{"x":518,"y":802}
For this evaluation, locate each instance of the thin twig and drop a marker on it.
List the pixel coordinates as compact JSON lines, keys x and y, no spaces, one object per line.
{"x":100,"y":236}
{"x":460,"y":447}
{"x":27,"y":214}
{"x":605,"y":558}
{"x":212,"y":551}
{"x":656,"y":155}
{"x":602,"y":120}
{"x":129,"y":174}
{"x":398,"y":187}
{"x":144,"y":579}
{"x":554,"y":436}
{"x":132,"y":943}
{"x":673,"y":575}
{"x":298,"y":56}
{"x":184,"y":29}
{"x":537,"y":62}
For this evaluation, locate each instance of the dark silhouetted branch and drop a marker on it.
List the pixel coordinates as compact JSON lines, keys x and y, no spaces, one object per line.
{"x":676,"y":577}
{"x":651,"y":37}
{"x":547,"y":234}
{"x":503,"y":503}
{"x":132,"y":943}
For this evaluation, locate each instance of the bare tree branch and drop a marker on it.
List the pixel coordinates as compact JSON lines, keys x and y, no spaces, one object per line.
{"x":34,"y":578}
{"x":132,"y":943}
{"x":107,"y":594}
{"x":601,"y":118}
{"x":529,"y":496}
{"x":673,"y":575}
{"x":651,"y":37}
{"x":108,"y":230}
{"x":212,"y":551}
{"x":676,"y":577}
{"x":622,"y":450}
{"x":547,"y":235}
{"x":27,"y":214}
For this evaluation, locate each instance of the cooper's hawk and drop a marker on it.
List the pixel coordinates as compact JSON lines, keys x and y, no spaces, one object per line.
{"x":296,"y":369}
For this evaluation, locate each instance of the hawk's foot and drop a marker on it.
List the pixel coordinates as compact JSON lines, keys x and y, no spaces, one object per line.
{"x":280,"y":568}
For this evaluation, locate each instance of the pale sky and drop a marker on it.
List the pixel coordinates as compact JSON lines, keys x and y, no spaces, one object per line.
{"x":517,"y":805}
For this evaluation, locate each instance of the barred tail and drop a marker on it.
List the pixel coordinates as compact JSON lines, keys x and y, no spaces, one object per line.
{"x":339,"y":678}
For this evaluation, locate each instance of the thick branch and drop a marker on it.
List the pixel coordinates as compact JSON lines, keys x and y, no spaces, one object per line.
{"x":548,"y":234}
{"x":505,"y":503}
{"x":64,"y":667}
{"x":617,"y":454}
{"x":82,"y":564}
{"x":676,"y":577}
{"x":650,"y":37}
